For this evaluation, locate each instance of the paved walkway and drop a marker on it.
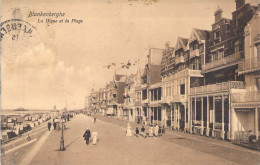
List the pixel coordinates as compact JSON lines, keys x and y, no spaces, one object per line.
{"x":115,"y":148}
{"x":222,"y":149}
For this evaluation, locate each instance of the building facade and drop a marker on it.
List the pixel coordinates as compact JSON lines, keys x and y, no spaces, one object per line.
{"x":210,"y":103}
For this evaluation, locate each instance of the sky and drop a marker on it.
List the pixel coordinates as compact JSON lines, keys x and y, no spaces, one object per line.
{"x":64,"y":61}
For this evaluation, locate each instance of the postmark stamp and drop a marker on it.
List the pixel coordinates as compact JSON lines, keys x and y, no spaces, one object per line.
{"x":16,"y":28}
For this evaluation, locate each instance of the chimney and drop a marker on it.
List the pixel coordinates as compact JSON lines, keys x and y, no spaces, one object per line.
{"x":218,"y":14}
{"x":239,"y":3}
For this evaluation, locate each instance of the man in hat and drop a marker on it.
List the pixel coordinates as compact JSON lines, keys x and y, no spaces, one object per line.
{"x":87,"y":135}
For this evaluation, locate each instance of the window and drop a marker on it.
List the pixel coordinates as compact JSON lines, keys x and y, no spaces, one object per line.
{"x":144,"y":94}
{"x":155,"y":94}
{"x":217,"y":34}
{"x":159,"y":93}
{"x":214,"y":56}
{"x":220,"y":54}
{"x":182,"y":89}
{"x":257,"y":52}
{"x":258,"y":84}
{"x":258,"y":119}
{"x":228,"y":27}
{"x":236,"y":47}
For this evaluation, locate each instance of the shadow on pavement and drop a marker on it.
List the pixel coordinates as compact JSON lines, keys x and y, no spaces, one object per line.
{"x":71,"y":143}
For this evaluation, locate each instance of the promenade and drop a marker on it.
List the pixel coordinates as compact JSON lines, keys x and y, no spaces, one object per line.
{"x":115,"y":148}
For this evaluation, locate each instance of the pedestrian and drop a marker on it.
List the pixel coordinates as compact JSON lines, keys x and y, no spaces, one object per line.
{"x":150,"y":131}
{"x":163,"y":130}
{"x":95,"y":119}
{"x":156,"y":128}
{"x":68,"y":117}
{"x":136,"y":132}
{"x":95,"y":134}
{"x":54,"y":125}
{"x":87,"y":135}
{"x":128,"y":130}
{"x":160,"y":131}
{"x":143,"y":132}
{"x":49,"y":125}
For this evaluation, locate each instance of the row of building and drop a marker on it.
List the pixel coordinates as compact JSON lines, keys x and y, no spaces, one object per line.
{"x":207,"y":84}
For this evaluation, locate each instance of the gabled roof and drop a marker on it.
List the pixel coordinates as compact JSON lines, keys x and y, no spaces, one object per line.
{"x":202,"y":34}
{"x":199,"y":35}
{"x":181,"y":43}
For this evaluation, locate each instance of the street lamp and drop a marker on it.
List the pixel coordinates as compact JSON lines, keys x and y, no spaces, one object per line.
{"x":62,"y":136}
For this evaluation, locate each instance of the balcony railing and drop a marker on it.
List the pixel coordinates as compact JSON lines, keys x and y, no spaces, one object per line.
{"x":166,"y":100}
{"x":179,"y":98}
{"x":223,"y":61}
{"x":194,"y":53}
{"x":137,"y":103}
{"x":245,"y":97}
{"x":219,"y":87}
{"x":179,"y":59}
{"x":113,"y":101}
{"x":249,"y":65}
{"x":144,"y":85}
{"x":145,"y":101}
{"x":128,"y":104}
{"x":137,"y":88}
{"x":188,"y":72}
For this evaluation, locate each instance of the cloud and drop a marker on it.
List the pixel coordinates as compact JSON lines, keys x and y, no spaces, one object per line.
{"x":38,"y":80}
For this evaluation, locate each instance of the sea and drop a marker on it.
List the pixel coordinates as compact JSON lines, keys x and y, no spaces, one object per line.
{"x":20,"y":112}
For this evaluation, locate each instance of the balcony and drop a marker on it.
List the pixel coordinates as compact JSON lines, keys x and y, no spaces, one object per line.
{"x":246,"y":97}
{"x":114,"y":91}
{"x":179,"y":98}
{"x":179,"y":60}
{"x":223,"y":62}
{"x":143,"y":86}
{"x":249,"y":66}
{"x":219,"y":87}
{"x":103,"y":105}
{"x":145,"y":101}
{"x":194,"y":53}
{"x":138,"y":88}
{"x":128,"y":104}
{"x":188,"y":72}
{"x":166,"y":100}
{"x":137,"y":103}
{"x":113,"y":101}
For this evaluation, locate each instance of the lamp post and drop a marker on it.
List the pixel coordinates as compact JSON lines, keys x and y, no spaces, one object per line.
{"x":62,"y":136}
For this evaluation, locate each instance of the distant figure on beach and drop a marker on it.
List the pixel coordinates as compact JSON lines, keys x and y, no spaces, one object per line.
{"x":49,"y":125}
{"x":87,"y":135}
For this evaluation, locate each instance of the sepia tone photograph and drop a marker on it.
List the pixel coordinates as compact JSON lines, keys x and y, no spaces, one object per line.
{"x":130,"y":82}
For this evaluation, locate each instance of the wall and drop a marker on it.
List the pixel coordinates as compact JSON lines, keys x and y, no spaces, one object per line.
{"x":244,"y":121}
{"x":251,"y":30}
{"x":154,"y":74}
{"x":155,"y":56}
{"x":120,"y":92}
